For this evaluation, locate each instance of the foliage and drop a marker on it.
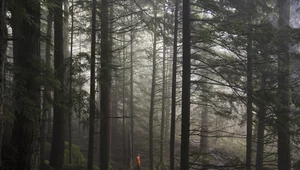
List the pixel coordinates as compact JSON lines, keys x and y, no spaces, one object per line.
{"x":78,"y":160}
{"x":77,"y":157}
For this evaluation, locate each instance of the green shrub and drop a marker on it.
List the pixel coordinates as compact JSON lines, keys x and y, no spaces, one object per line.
{"x":77,"y":157}
{"x":78,"y":160}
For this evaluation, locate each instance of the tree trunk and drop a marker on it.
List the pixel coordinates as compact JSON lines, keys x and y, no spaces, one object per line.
{"x":163,"y":105}
{"x":26,"y":138}
{"x":173,"y":105}
{"x":3,"y":47}
{"x":47,"y":107}
{"x":249,"y":102}
{"x":70,"y":85}
{"x":131,"y":87}
{"x":185,"y":125}
{"x":105,"y":80}
{"x":67,"y":72}
{"x":261,"y":123}
{"x":204,"y":146}
{"x":168,"y":100}
{"x":92,"y":90}
{"x":129,"y":161}
{"x":152,"y":90}
{"x":283,"y":113}
{"x":115,"y":86}
{"x":124,"y":102}
{"x":58,"y":136}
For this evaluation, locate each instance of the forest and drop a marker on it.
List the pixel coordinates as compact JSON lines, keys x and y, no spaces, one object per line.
{"x":149,"y":84}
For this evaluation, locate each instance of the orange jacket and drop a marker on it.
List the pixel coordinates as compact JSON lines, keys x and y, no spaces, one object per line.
{"x":138,"y":161}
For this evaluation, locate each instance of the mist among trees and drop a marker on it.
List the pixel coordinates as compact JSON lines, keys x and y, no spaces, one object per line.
{"x":149,"y":84}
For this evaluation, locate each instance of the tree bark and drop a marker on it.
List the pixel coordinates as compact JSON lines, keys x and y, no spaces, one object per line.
{"x":261,"y":123}
{"x":124,"y":102}
{"x":283,"y":113}
{"x":173,"y":105}
{"x":163,"y":105}
{"x":58,"y":135}
{"x":204,"y":144}
{"x":92,"y":90}
{"x":185,"y":125}
{"x":26,"y":136}
{"x":70,"y":84}
{"x":249,"y":102}
{"x":105,"y":80}
{"x":168,"y":101}
{"x":152,"y":89}
{"x":47,"y":107}
{"x":3,"y":47}
{"x":131,"y":88}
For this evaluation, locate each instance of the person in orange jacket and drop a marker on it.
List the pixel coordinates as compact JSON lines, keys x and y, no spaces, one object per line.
{"x":138,"y":160}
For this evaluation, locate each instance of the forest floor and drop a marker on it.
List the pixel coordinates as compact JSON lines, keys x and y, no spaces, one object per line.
{"x":219,"y":157}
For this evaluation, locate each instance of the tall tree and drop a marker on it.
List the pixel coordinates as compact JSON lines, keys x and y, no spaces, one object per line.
{"x":204,"y":143}
{"x":186,"y":63}
{"x":173,"y":105}
{"x":92,"y":90}
{"x":163,"y":105}
{"x":3,"y":46}
{"x":283,"y":112}
{"x":131,"y":88}
{"x":124,"y":102}
{"x":105,"y":80}
{"x":70,"y":84}
{"x":47,"y":106}
{"x":26,"y":134}
{"x":58,"y":134}
{"x":261,"y":122}
{"x":249,"y":101}
{"x":153,"y":87}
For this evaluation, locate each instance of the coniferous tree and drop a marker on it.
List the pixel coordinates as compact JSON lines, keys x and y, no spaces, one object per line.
{"x":59,"y":118}
{"x":163,"y":104}
{"x":185,"y":122}
{"x":92,"y":90}
{"x":173,"y":105}
{"x":131,"y":89}
{"x":249,"y":101}
{"x":153,"y":85}
{"x":3,"y":46}
{"x":70,"y":104}
{"x":47,"y":106}
{"x":283,"y":112}
{"x":105,"y":80}
{"x":26,"y":134}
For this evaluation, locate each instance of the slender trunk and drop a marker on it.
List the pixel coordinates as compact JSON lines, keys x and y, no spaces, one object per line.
{"x":58,"y":136}
{"x":105,"y":80}
{"x":131,"y":87}
{"x":124,"y":102}
{"x":92,"y":90}
{"x":249,"y":102}
{"x":152,"y":91}
{"x":163,"y":105}
{"x":70,"y":84}
{"x":261,"y":123}
{"x":3,"y":46}
{"x":168,"y":101}
{"x":204,"y":147}
{"x":47,"y":93}
{"x":283,"y":113}
{"x":173,"y":105}
{"x":67,"y":76}
{"x":28,"y":101}
{"x":185,"y":126}
{"x":114,"y":103}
